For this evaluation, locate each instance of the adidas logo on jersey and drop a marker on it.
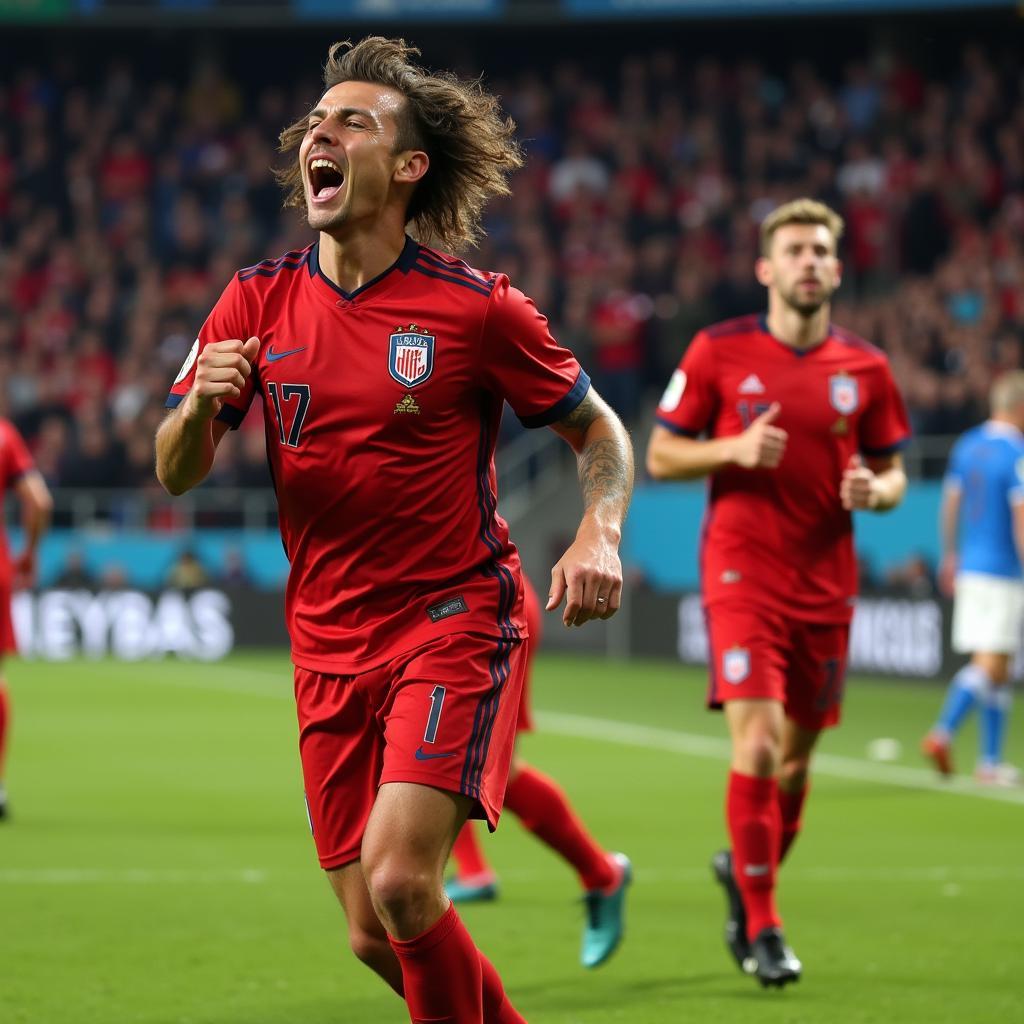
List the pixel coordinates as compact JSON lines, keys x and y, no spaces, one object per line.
{"x":751,"y":385}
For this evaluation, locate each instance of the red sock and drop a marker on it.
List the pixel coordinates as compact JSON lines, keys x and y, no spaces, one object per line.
{"x":468,"y":853}
{"x":5,"y":720}
{"x":791,"y":807}
{"x":442,"y":973}
{"x":545,"y":810}
{"x":755,"y":825}
{"x":497,"y":1008}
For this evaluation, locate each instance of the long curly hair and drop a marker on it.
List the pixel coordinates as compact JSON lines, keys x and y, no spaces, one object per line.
{"x":460,"y":126}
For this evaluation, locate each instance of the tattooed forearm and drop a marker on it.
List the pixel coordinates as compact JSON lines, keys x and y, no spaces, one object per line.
{"x":606,"y":472}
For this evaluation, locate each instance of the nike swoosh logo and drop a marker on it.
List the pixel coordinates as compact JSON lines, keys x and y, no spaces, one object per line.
{"x":422,"y":755}
{"x":272,"y":356}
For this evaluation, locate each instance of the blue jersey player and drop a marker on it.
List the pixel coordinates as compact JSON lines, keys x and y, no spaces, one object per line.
{"x":982,"y":524}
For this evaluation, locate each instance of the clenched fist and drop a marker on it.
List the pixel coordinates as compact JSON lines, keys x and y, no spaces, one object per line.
{"x":222,"y":369}
{"x":858,"y":487}
{"x":761,"y":445}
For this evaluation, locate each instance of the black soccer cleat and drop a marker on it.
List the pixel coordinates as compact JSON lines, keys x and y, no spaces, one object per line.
{"x":736,"y":922}
{"x":771,"y":961}
{"x":3,"y":803}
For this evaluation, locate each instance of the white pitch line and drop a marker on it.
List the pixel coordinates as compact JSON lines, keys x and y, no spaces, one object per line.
{"x":695,"y":745}
{"x":927,"y":875}
{"x":631,"y":734}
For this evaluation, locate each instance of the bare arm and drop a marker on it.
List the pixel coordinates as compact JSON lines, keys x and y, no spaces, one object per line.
{"x":877,"y":484}
{"x":949,"y":520}
{"x":185,"y":449}
{"x":589,"y":574}
{"x":675,"y":457}
{"x":187,"y":439}
{"x":36,"y":508}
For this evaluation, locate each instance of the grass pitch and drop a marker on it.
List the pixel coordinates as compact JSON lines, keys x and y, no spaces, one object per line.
{"x":157,"y":868}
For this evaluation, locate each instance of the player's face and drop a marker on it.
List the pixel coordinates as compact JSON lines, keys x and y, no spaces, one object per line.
{"x":802,"y":267}
{"x":347,"y":157}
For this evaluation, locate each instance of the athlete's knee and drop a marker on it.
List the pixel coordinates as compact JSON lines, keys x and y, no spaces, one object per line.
{"x":758,"y":752}
{"x":793,"y":773}
{"x":400,"y":888}
{"x":372,"y":947}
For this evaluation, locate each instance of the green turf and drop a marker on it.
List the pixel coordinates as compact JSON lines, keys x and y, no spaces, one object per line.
{"x":158,"y":867}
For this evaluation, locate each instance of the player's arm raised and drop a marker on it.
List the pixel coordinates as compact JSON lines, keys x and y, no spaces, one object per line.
{"x":589,"y":574}
{"x":187,"y":440}
{"x":877,"y":483}
{"x":675,"y":457}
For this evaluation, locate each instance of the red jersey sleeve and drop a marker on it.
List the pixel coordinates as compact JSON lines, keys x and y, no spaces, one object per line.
{"x":228,"y":319}
{"x":884,"y":427}
{"x":15,"y":460}
{"x":690,"y":401}
{"x":522,"y":362}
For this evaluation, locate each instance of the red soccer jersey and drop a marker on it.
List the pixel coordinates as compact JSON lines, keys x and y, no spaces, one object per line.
{"x":15,"y":462}
{"x":780,"y":536}
{"x":382,"y":408}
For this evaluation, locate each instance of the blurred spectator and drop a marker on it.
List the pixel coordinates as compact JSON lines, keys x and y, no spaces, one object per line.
{"x":74,"y":575}
{"x":128,"y":199}
{"x":914,"y":577}
{"x":187,"y":573}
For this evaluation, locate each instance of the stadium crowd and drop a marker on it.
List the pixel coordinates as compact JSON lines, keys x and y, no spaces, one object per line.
{"x":126,"y":204}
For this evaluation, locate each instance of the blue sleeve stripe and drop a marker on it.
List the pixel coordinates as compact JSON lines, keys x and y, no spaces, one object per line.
{"x":891,"y":449}
{"x":675,"y":428}
{"x":228,"y":413}
{"x":563,"y":406}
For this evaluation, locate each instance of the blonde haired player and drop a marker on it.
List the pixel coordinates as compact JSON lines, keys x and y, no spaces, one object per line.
{"x":798,"y":423}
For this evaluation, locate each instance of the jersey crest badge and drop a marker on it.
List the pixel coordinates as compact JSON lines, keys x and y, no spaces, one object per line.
{"x":411,"y":355}
{"x":843,"y":393}
{"x":735,"y":665}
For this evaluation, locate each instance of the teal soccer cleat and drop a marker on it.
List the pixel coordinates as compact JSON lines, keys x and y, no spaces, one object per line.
{"x":605,"y":923}
{"x":475,"y":889}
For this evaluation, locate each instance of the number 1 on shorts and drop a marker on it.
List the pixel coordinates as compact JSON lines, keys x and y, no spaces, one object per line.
{"x":434,"y":718}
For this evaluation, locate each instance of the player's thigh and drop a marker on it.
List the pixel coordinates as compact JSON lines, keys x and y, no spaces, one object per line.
{"x":747,"y":654}
{"x":988,"y":614}
{"x":450,"y":719}
{"x":341,"y":749}
{"x":414,"y":825}
{"x":816,"y":674}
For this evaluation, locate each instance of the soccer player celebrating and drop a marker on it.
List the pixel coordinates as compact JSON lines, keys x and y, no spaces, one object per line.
{"x":382,"y":365}
{"x":982,"y":524}
{"x":543,"y":808}
{"x":802,"y":423}
{"x":18,"y":473}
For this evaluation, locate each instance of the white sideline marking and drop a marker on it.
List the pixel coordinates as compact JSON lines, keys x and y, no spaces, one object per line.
{"x":127,"y":876}
{"x":937,"y":874}
{"x":631,"y":734}
{"x":695,"y":745}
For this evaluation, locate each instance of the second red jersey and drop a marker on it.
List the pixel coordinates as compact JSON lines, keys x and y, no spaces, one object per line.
{"x":382,"y":409}
{"x":781,"y":537}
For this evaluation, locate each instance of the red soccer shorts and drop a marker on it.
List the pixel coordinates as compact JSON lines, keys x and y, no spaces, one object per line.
{"x":442,"y":715}
{"x":755,"y":653}
{"x":534,"y":625}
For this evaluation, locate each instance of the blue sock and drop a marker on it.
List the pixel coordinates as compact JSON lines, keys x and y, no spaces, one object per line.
{"x":995,"y":712}
{"x":964,"y":690}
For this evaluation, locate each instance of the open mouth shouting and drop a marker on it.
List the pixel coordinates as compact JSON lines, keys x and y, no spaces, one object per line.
{"x":326,"y":179}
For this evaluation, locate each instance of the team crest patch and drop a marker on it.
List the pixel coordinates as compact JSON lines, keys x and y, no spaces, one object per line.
{"x":411,"y":355}
{"x":843,"y":393}
{"x":735,"y":665}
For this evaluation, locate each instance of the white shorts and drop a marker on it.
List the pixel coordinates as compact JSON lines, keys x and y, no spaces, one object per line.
{"x":988,"y":614}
